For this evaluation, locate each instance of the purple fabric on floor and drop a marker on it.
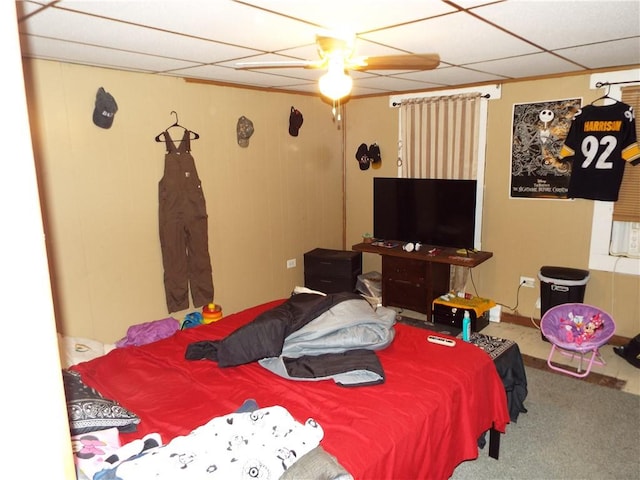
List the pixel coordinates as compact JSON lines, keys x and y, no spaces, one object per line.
{"x":149,"y":332}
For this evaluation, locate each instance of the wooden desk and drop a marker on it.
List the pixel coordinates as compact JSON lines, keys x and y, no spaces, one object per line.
{"x":412,"y":280}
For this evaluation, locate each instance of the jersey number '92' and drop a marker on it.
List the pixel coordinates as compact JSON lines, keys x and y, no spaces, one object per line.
{"x":591,"y":149}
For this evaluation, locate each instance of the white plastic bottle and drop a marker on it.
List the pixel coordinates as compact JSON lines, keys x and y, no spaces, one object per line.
{"x":466,"y":326}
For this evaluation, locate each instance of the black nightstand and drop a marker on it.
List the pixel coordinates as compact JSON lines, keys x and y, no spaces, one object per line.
{"x":332,"y":271}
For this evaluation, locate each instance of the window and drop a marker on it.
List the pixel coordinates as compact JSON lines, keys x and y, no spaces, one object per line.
{"x":491,"y":92}
{"x":607,"y":235}
{"x":625,"y":234}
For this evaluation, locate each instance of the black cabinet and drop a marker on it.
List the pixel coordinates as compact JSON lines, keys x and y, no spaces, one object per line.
{"x":332,"y":271}
{"x":451,"y":313}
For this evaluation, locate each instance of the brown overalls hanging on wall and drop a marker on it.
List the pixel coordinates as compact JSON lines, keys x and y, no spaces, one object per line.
{"x":183,"y":222}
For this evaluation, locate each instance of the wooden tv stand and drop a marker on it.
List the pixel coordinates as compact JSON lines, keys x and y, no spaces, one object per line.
{"x":412,"y":280}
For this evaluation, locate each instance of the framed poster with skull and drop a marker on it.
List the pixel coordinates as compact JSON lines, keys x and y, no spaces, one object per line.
{"x":538,"y":132}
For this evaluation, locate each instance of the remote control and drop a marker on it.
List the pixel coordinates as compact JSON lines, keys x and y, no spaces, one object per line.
{"x":447,"y":342}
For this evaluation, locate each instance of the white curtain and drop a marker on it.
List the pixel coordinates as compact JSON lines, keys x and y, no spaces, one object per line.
{"x":439,"y":138}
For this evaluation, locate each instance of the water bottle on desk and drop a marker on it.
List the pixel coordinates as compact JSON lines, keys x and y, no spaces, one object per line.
{"x":466,"y":326}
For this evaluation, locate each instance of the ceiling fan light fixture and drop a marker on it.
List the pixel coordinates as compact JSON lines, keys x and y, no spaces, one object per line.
{"x":335,"y":84}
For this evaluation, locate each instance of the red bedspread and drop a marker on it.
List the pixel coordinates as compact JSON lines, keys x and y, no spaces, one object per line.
{"x":421,"y":423}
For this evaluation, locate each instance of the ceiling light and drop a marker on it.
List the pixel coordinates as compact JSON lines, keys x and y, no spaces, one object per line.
{"x":335,"y":84}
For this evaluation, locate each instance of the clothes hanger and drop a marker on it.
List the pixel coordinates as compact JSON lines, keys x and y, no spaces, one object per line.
{"x":606,"y":95}
{"x":176,"y":124}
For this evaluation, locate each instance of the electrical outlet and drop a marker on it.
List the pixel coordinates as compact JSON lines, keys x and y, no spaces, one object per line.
{"x":538,"y":305}
{"x":291,"y":263}
{"x":528,"y":282}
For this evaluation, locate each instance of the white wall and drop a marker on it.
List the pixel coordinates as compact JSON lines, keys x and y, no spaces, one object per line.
{"x":35,"y":435}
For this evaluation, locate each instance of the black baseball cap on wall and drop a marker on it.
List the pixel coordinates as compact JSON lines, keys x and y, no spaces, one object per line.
{"x":105,"y":109}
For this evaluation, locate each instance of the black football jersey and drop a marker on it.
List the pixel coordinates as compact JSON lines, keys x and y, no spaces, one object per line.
{"x":600,"y":141}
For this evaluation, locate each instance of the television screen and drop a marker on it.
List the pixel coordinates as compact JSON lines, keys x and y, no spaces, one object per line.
{"x":430,"y":211}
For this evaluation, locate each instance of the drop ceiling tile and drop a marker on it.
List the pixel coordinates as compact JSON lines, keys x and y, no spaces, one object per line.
{"x":473,"y":3}
{"x":242,"y":77}
{"x":47,"y":48}
{"x":452,"y":76}
{"x":606,"y":54}
{"x":363,"y":48}
{"x":361,"y":91}
{"x":559,"y":24}
{"x":91,"y":30}
{"x":452,"y":37}
{"x":221,"y":20}
{"x":529,"y":65}
{"x":355,"y":16}
{"x":284,"y":58}
{"x":391,"y":84}
{"x":24,"y":9}
{"x":309,"y":88}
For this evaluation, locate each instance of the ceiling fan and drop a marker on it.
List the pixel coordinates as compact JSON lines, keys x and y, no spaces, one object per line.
{"x":337,"y":56}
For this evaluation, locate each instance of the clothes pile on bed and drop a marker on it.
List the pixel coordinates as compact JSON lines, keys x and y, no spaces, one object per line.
{"x":310,"y":337}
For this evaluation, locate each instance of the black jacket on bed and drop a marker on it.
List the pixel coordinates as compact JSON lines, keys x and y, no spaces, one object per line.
{"x":264,"y":337}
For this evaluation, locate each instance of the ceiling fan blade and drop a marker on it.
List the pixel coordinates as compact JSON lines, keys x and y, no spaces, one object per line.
{"x":279,"y":64}
{"x":426,"y":61}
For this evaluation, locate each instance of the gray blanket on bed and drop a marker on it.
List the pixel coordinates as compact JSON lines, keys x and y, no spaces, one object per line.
{"x":310,"y":337}
{"x":339,"y":344}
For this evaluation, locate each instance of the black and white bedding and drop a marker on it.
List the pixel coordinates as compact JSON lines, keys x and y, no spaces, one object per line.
{"x":260,"y":444}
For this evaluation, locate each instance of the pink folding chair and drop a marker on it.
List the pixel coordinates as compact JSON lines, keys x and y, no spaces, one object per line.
{"x":577,"y":329}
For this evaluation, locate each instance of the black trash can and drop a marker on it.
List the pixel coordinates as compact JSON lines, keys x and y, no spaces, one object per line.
{"x":560,"y":285}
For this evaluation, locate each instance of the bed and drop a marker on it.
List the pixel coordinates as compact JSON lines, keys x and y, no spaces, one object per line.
{"x":420,"y":420}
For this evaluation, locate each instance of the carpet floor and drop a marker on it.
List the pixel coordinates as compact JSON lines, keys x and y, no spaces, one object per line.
{"x":593,"y":377}
{"x":573,"y":430}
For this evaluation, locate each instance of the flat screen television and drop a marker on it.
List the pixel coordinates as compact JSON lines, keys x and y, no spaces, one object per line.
{"x":430,"y":211}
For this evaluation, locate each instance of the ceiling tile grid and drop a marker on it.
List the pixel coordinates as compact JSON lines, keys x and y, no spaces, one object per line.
{"x":477,"y":40}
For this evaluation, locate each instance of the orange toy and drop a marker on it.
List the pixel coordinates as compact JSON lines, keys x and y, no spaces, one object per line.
{"x":211,"y":313}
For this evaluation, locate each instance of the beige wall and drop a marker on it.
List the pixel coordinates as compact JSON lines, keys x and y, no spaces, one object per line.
{"x":523,"y":234}
{"x":267,"y":203}
{"x":368,"y":121}
{"x":273,"y":201}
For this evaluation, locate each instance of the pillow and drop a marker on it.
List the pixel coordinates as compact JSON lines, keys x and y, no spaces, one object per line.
{"x":77,"y":349}
{"x":89,"y":411}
